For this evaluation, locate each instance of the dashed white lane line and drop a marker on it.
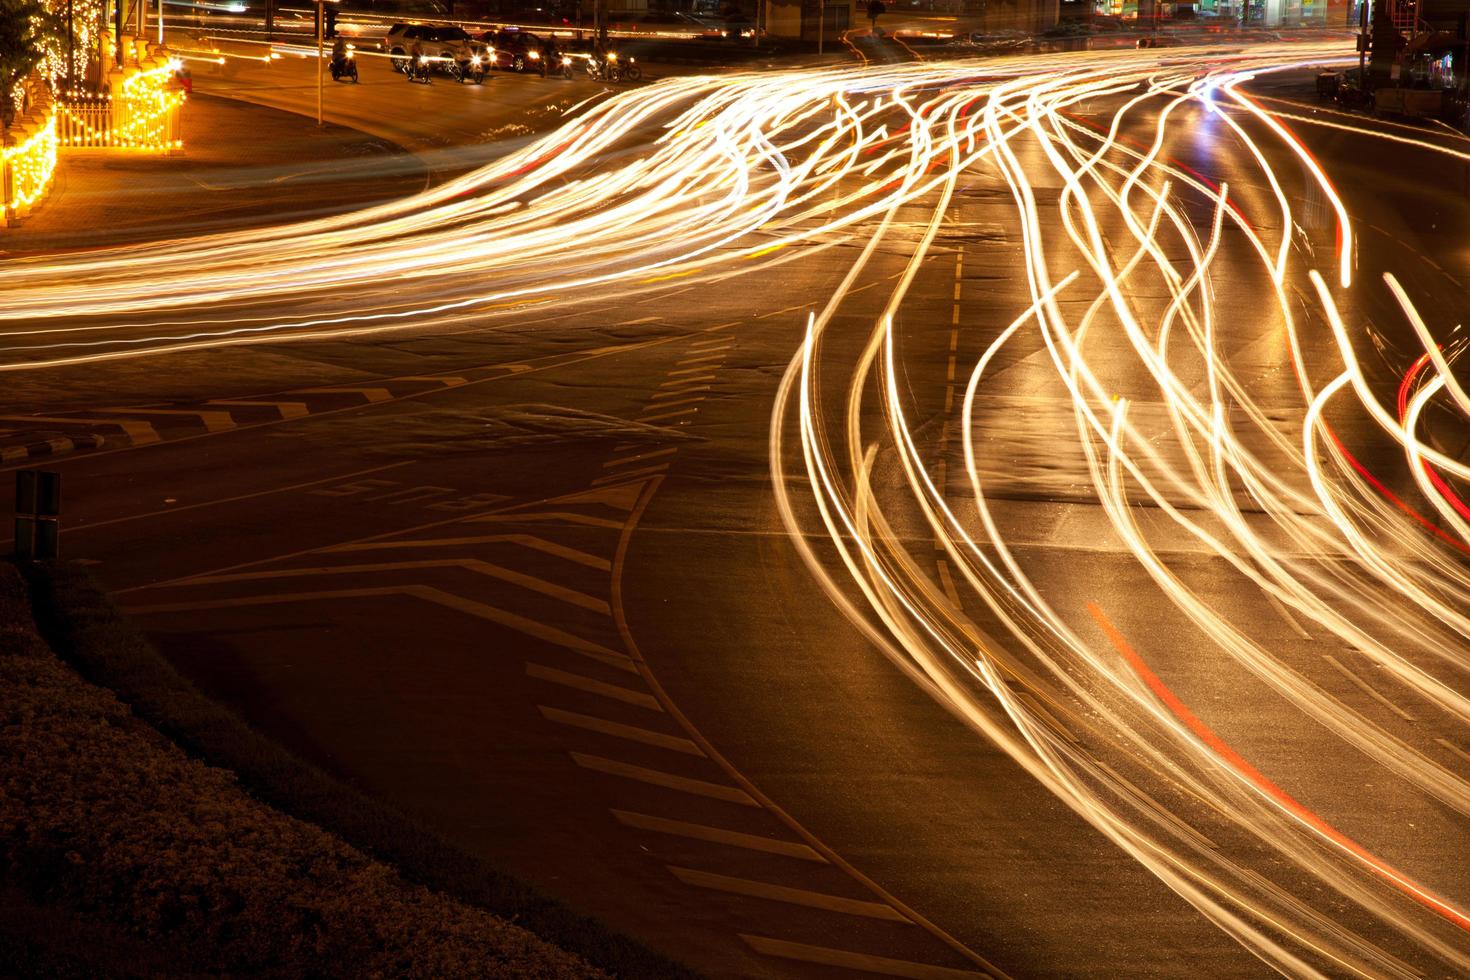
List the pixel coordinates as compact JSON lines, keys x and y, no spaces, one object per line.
{"x":1367,"y":688}
{"x":847,"y":960}
{"x":602,"y":726}
{"x":685,"y":381}
{"x":1454,"y":748}
{"x":678,"y":413}
{"x":668,"y":780}
{"x":590,"y":686}
{"x":792,"y":896}
{"x":717,"y":835}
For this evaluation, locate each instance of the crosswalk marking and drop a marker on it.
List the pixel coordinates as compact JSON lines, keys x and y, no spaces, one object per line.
{"x":848,"y":960}
{"x":656,"y":777}
{"x":717,"y":835}
{"x":633,"y":734}
{"x":784,"y":893}
{"x":589,"y":685}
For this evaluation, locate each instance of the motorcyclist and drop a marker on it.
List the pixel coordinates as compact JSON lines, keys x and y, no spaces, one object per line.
{"x":418,"y":68}
{"x":339,"y":52}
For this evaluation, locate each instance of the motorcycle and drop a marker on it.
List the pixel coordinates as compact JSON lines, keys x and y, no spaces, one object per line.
{"x":472,"y":71}
{"x":418,"y":70}
{"x":344,"y":67}
{"x":566,"y":67}
{"x":600,"y":70}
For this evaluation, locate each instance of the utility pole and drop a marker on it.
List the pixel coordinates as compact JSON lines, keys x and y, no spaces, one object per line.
{"x":117,"y":24}
{"x":270,"y":20}
{"x":821,"y":23}
{"x":71,"y":58}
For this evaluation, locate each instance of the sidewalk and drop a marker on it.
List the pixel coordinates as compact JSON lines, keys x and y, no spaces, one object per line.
{"x":242,"y":165}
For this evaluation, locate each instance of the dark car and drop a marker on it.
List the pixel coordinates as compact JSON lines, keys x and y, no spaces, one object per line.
{"x":514,"y":50}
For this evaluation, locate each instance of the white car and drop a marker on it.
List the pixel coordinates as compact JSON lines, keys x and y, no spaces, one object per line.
{"x":446,"y":45}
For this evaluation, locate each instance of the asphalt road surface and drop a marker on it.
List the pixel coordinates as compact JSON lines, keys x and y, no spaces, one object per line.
{"x":687,"y":513}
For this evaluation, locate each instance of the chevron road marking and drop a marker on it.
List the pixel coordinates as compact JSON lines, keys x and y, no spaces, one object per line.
{"x":540,"y":631}
{"x":630,"y":475}
{"x":639,"y":457}
{"x":604,"y":727}
{"x":579,"y":683}
{"x":524,"y":540}
{"x":530,"y":582}
{"x":793,"y":896}
{"x":857,"y":961}
{"x":717,"y":835}
{"x":655,"y":777}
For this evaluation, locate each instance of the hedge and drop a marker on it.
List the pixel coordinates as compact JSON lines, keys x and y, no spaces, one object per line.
{"x":85,"y":628}
{"x":103,"y":817}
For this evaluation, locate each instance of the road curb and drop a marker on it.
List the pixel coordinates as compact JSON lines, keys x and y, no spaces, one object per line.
{"x":57,"y":446}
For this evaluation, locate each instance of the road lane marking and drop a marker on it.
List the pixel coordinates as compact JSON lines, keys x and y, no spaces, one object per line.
{"x":684,"y":371}
{"x":1231,"y":759}
{"x":847,"y":960}
{"x":682,"y":381}
{"x":540,"y":631}
{"x":1286,"y":615}
{"x":370,"y":394}
{"x":639,"y":457}
{"x":1367,"y":688}
{"x":640,"y":320}
{"x":447,"y":381}
{"x":793,"y":896}
{"x":668,"y":415}
{"x":287,"y":410}
{"x":696,"y":399}
{"x":682,"y":391}
{"x":602,"y":726}
{"x":630,"y":475}
{"x":212,"y":421}
{"x":1454,"y":748}
{"x":590,"y":686}
{"x":530,"y":582}
{"x":656,"y":777}
{"x":717,"y":355}
{"x":571,"y":517}
{"x":140,"y":433}
{"x":718,"y":835}
{"x":524,"y":540}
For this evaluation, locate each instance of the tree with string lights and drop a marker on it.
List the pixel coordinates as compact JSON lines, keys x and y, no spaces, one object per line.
{"x":27,"y":30}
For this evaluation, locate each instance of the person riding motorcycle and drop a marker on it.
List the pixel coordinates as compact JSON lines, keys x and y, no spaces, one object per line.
{"x":418,"y":63}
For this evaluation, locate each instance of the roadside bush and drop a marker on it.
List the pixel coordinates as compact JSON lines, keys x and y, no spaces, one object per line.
{"x":81,"y":624}
{"x":101,"y":816}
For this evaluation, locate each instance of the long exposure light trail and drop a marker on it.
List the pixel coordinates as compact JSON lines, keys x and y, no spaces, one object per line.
{"x":1132,"y":262}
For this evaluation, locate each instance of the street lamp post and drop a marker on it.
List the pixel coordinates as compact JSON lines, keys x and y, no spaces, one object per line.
{"x":821,"y":23}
